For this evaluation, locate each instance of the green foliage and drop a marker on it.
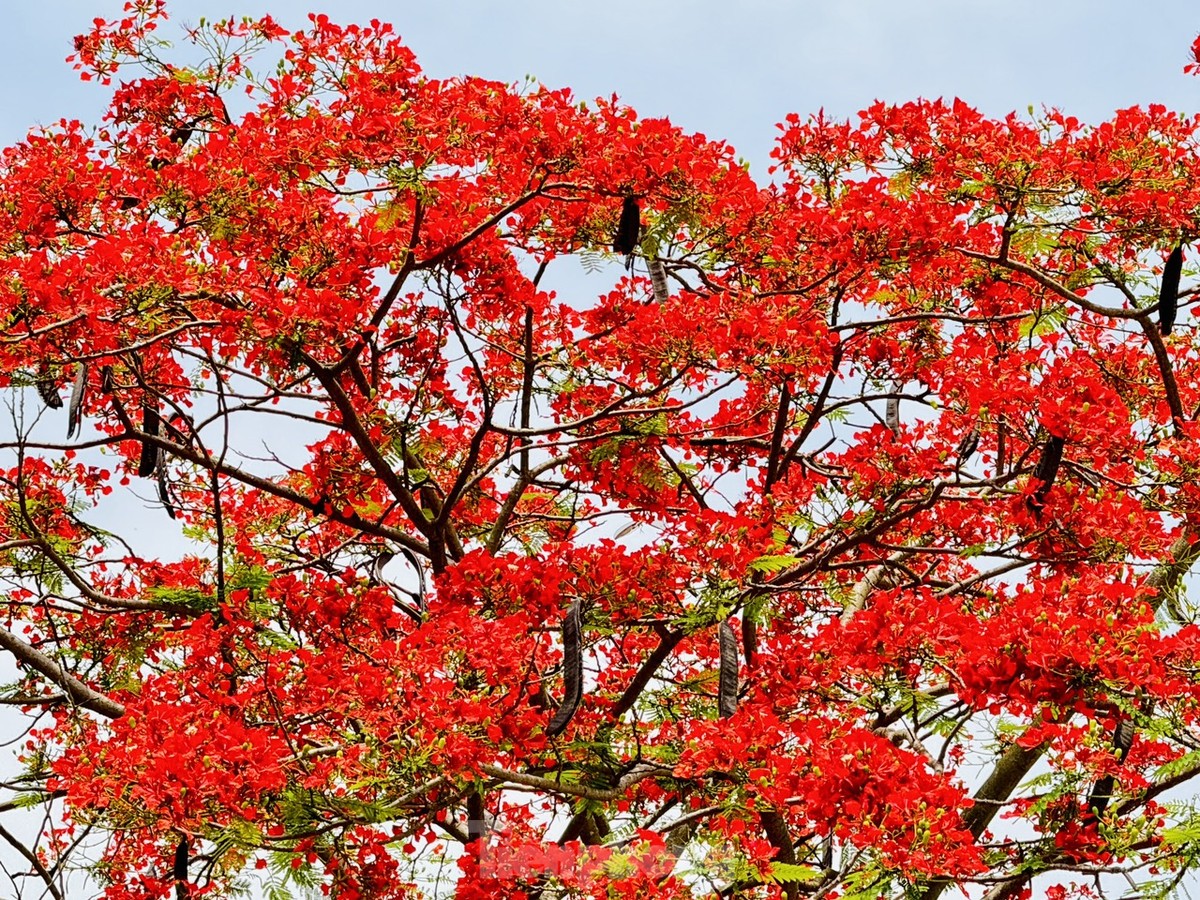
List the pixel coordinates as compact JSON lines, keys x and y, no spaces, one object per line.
{"x":1047,"y":320}
{"x":782,"y":873}
{"x":769,"y":565}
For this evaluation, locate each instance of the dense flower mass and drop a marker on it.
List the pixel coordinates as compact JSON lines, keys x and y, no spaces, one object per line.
{"x":836,"y":548}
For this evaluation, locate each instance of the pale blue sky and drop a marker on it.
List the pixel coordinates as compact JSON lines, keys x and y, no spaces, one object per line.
{"x":728,"y":70}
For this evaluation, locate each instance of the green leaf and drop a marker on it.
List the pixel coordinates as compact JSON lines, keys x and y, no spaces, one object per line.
{"x":1044,"y":322}
{"x":786,"y":872}
{"x":770,"y":564}
{"x":1178,"y":766}
{"x":29,"y":799}
{"x":1181,"y":835}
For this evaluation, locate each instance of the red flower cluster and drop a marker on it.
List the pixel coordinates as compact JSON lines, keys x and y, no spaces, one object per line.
{"x":917,"y":420}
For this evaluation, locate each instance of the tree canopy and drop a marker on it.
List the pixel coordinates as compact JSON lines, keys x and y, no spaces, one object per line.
{"x":838,"y":547}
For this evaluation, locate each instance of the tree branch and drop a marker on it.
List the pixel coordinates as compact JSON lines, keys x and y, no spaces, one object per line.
{"x":76,"y":690}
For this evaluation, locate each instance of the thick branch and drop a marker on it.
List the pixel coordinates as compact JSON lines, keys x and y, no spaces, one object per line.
{"x":1016,"y":762}
{"x":646,"y":672}
{"x":1056,"y":287}
{"x":209,"y":464}
{"x":76,"y":690}
{"x":29,"y":855}
{"x":354,"y":427}
{"x":576,"y":790}
{"x":777,"y":833}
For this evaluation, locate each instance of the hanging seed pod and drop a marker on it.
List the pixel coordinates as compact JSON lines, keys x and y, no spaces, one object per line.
{"x":1168,"y":293}
{"x":727,"y":690}
{"x":1044,"y":474}
{"x":476,"y":817}
{"x":1051,"y":458}
{"x":572,"y":670}
{"x":1123,"y":738}
{"x":422,"y":589}
{"x":411,"y":603}
{"x":629,"y":230}
{"x":891,"y":415}
{"x":1001,"y":454}
{"x":179,"y":136}
{"x":295,"y":355}
{"x":75,"y":404}
{"x":658,"y":280}
{"x":150,"y":425}
{"x":891,"y":412}
{"x":749,"y":639}
{"x":47,"y":389}
{"x":1102,"y":790}
{"x":968,"y":445}
{"x":165,"y":497}
{"x":377,"y":565}
{"x":180,"y":872}
{"x":1099,"y":797}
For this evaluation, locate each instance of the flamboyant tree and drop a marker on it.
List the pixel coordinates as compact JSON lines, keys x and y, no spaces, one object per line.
{"x":838,"y":548}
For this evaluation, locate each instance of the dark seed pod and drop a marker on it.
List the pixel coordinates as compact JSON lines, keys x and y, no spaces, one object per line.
{"x":476,"y":817}
{"x":629,"y":230}
{"x":572,"y":670}
{"x":1049,"y":461}
{"x":75,"y":404}
{"x":968,"y":445}
{"x":1045,"y":473}
{"x":891,"y":415}
{"x":48,"y":390}
{"x":1001,"y":452}
{"x":727,"y":690}
{"x":129,"y":202}
{"x":180,"y":872}
{"x":378,"y":564}
{"x":295,"y":355}
{"x":1168,"y":294}
{"x":180,"y":136}
{"x":749,"y":639}
{"x":148,"y":461}
{"x":1123,"y":738}
{"x":165,"y":497}
{"x":411,"y":603}
{"x":1099,"y":797}
{"x":1102,"y":790}
{"x":658,"y":280}
{"x":422,"y":589}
